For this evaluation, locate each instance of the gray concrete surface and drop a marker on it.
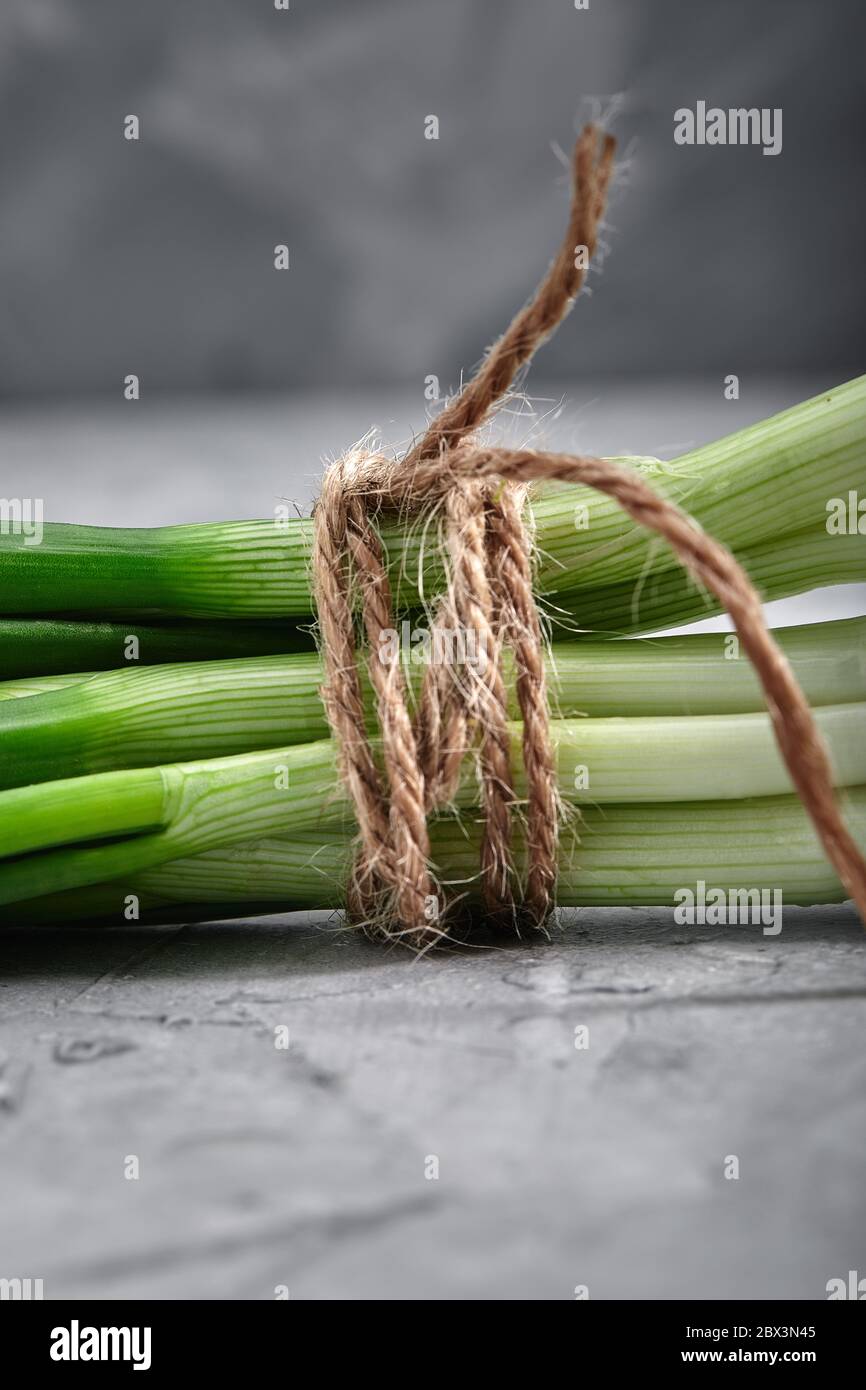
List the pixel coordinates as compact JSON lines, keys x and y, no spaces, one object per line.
{"x":305,"y":1168}
{"x":557,"y":1167}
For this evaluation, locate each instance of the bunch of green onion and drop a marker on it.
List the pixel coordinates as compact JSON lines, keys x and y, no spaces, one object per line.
{"x":197,"y":780}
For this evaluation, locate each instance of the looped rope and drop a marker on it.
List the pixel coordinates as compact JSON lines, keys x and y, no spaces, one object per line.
{"x":488,"y":603}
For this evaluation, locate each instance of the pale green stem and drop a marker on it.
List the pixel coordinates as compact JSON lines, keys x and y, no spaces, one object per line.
{"x":616,"y":856}
{"x":140,"y":717}
{"x":750,"y":489}
{"x":171,"y":812}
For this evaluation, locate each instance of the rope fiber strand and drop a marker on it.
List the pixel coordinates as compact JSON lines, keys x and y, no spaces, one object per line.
{"x":487,"y":605}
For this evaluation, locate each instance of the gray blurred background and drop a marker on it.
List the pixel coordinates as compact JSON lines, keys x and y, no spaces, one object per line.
{"x":408,"y":255}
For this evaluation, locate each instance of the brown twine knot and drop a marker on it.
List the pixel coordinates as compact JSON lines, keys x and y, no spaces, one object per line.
{"x":488,"y":605}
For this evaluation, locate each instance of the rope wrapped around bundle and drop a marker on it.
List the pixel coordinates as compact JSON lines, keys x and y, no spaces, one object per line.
{"x":479,"y":491}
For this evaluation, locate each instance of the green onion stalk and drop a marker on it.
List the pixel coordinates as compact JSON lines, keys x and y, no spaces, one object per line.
{"x":36,"y":647}
{"x":71,"y":726}
{"x":793,"y":564}
{"x":764,"y":491}
{"x":618,"y":856}
{"x":74,"y":832}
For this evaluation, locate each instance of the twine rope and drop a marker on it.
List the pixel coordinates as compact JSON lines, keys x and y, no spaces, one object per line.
{"x":480,"y":491}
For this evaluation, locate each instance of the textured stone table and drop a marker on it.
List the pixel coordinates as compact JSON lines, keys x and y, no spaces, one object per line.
{"x":309,"y":1167}
{"x":261,"y":1167}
